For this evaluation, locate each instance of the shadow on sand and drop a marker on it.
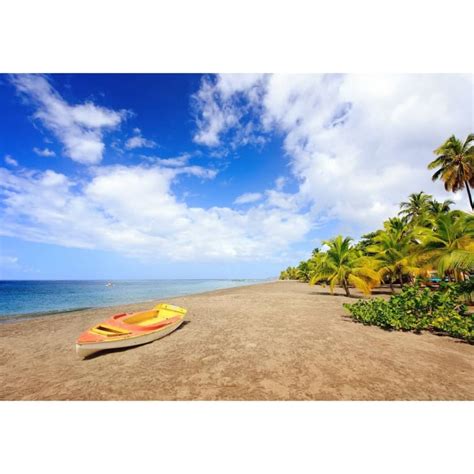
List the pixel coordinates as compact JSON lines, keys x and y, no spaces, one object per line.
{"x":333,"y":295}
{"x":355,"y":294}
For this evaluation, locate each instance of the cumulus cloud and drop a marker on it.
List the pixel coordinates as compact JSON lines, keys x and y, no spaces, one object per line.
{"x":248,"y":198}
{"x":44,"y":152}
{"x":139,"y":141}
{"x":358,"y":145}
{"x":80,"y":128}
{"x":9,"y":160}
{"x":133,"y":210}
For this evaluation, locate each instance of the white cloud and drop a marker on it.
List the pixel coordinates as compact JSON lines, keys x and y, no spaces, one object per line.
{"x":358,"y":145}
{"x":219,"y":108}
{"x":174,"y":162}
{"x":138,"y":141}
{"x":80,"y":128}
{"x":44,"y":152}
{"x":181,"y":162}
{"x":248,"y":198}
{"x":9,"y":160}
{"x":280,"y":183}
{"x":290,"y":202}
{"x":133,"y":210}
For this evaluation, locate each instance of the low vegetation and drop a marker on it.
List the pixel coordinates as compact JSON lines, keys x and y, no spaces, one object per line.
{"x":416,"y":309}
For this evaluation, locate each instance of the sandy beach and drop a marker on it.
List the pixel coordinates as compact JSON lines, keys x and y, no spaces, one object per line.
{"x":274,"y":341}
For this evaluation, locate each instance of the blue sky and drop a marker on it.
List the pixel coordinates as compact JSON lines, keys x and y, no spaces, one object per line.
{"x":205,"y":176}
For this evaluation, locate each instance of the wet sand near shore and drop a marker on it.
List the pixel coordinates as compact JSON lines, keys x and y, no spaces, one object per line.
{"x":273,"y":341}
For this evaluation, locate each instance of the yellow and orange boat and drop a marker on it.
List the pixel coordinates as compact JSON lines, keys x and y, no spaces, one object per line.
{"x":127,"y":330}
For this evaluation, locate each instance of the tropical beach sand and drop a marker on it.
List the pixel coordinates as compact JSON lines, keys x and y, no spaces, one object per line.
{"x":273,"y":341}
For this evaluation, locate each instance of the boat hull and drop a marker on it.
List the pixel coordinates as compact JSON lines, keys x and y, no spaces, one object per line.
{"x":85,"y":350}
{"x":130,"y":329}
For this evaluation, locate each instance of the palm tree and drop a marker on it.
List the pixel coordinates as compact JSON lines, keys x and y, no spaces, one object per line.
{"x":393,"y":250}
{"x":436,"y":208}
{"x":291,"y":273}
{"x":365,"y":241}
{"x":415,"y":210}
{"x":455,"y":163}
{"x":397,"y":225}
{"x":315,"y":252}
{"x":343,"y":265}
{"x":304,"y":270}
{"x":450,"y":245}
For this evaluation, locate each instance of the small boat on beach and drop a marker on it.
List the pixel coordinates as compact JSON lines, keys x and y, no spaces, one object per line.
{"x":127,"y":330}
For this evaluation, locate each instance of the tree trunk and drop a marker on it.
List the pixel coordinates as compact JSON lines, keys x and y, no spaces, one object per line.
{"x":391,"y":286}
{"x":469,"y":194}
{"x":346,"y":288}
{"x":401,"y":279}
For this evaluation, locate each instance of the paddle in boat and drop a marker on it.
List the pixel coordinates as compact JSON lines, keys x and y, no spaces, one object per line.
{"x":127,"y":330}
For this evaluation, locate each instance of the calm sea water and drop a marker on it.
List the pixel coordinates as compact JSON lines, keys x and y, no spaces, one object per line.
{"x":29,"y":298}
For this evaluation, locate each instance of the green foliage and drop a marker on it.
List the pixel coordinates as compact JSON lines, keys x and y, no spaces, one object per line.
{"x":466,"y":290}
{"x":416,"y":209}
{"x":455,"y":164}
{"x":291,"y":273}
{"x":342,"y":264}
{"x":449,"y":245}
{"x":437,"y":238}
{"x":393,"y":249}
{"x":436,"y":208}
{"x":304,"y":270}
{"x":416,"y":309}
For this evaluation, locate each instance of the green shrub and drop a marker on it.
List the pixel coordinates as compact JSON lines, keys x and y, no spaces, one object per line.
{"x":415,"y":309}
{"x":466,"y":290}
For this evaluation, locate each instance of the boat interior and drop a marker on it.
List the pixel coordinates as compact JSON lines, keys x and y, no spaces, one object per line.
{"x":154,"y":316}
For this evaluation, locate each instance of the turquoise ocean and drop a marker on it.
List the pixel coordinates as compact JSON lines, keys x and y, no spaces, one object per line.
{"x":34,"y":298}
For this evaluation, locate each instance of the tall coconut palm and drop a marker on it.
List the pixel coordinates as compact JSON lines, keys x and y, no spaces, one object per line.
{"x":415,"y":210}
{"x":342,"y":265}
{"x":449,"y":247}
{"x":455,"y":163}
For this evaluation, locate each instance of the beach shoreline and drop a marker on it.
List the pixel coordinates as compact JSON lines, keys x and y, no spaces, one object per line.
{"x":278,"y":340}
{"x":16,"y":317}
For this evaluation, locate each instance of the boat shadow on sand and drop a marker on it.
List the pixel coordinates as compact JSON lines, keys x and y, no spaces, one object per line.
{"x":124,"y":349}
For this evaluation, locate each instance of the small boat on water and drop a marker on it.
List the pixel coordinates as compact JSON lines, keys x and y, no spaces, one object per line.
{"x":127,"y":330}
